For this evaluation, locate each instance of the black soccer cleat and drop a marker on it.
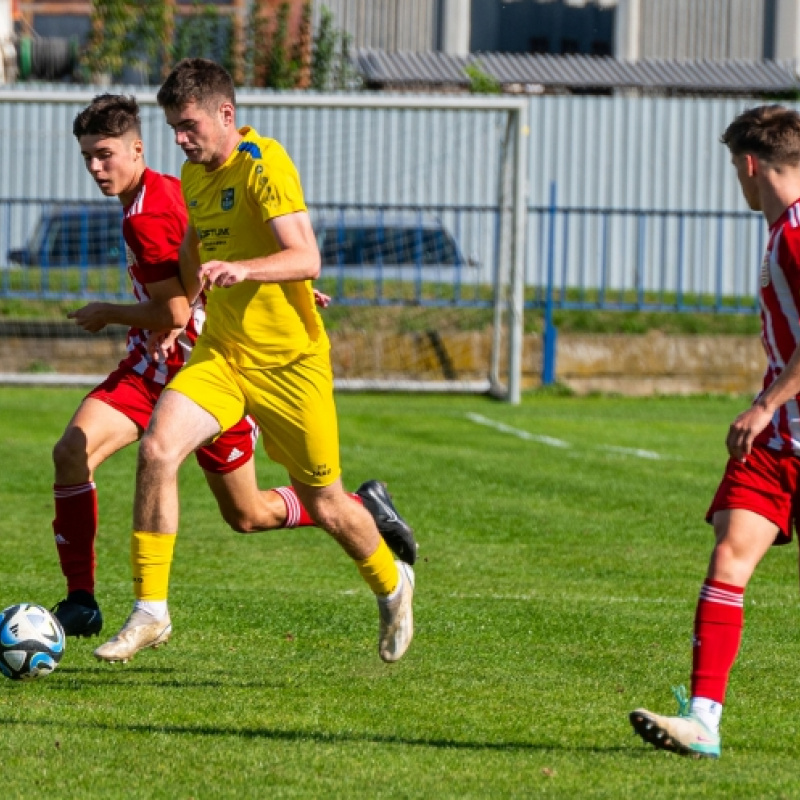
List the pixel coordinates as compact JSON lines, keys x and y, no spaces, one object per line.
{"x":77,"y":619}
{"x":396,"y":532}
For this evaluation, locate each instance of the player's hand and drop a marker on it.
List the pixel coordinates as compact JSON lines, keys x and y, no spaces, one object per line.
{"x":221,"y":273}
{"x":744,"y":429}
{"x":321,"y":299}
{"x":91,"y":317}
{"x":161,"y":343}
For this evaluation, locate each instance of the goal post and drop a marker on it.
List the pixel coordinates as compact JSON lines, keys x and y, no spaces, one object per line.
{"x":419,"y":206}
{"x":511,"y":202}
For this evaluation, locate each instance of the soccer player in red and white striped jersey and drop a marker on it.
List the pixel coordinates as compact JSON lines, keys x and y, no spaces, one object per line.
{"x":754,"y":507}
{"x":117,"y":412}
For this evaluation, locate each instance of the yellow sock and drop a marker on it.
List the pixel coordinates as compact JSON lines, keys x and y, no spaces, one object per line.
{"x":379,"y":570}
{"x":151,"y":558}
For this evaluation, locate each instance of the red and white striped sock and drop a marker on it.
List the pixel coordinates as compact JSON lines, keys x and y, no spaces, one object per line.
{"x":75,"y":529}
{"x":718,"y":624}
{"x":296,"y":514}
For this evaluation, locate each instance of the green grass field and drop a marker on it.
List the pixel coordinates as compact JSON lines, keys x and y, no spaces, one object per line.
{"x":555,"y":592}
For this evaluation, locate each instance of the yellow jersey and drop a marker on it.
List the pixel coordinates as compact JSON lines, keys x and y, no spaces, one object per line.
{"x":252,"y":324}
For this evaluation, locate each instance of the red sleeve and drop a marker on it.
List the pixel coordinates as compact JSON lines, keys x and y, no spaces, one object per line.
{"x":154,"y":240}
{"x":789,"y":258}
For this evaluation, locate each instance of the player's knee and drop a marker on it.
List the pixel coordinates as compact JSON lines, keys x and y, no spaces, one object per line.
{"x":238,"y":521}
{"x":154,"y":454}
{"x":243,"y":522}
{"x":71,"y":451}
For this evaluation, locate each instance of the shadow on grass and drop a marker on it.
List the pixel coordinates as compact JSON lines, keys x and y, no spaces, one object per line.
{"x":322,"y":737}
{"x":123,"y":675}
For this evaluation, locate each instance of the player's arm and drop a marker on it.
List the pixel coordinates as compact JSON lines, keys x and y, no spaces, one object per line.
{"x":297,"y":260}
{"x":750,"y":423}
{"x":190,"y":264}
{"x":166,"y":308}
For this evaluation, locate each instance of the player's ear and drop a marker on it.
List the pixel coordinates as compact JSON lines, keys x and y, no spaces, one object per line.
{"x":227,"y":113}
{"x":137,"y":146}
{"x":753,"y":165}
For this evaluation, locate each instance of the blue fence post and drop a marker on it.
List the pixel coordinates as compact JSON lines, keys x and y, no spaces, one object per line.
{"x":550,"y":332}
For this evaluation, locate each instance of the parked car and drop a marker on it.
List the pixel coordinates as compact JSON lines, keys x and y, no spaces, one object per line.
{"x":74,"y":235}
{"x":390,"y":246}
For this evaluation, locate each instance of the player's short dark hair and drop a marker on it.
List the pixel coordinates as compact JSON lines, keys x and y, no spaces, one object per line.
{"x":196,"y":80}
{"x":108,"y":115}
{"x":770,"y":132}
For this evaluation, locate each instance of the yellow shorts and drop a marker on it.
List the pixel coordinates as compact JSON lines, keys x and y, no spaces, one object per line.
{"x":293,"y":405}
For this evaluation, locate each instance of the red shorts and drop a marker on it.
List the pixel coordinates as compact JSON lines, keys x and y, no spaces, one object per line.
{"x":135,"y":397}
{"x":766,"y":484}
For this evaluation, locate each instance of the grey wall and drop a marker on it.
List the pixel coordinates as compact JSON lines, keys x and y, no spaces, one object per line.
{"x":714,"y":29}
{"x":387,"y":24}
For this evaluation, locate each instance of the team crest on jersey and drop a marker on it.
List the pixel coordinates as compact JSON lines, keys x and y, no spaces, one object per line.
{"x":227,"y":199}
{"x":765,"y":271}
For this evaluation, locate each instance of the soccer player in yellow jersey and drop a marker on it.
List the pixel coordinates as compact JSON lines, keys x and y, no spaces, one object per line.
{"x":263,"y":351}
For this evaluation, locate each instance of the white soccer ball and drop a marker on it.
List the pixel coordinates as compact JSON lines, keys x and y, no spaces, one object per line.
{"x":32,"y":642}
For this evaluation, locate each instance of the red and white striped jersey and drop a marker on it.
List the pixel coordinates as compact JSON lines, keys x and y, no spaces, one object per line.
{"x":779,"y":296}
{"x":153,"y":226}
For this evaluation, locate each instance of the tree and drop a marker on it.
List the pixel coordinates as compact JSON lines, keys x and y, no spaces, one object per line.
{"x":280,"y":72}
{"x":104,"y":55}
{"x":151,"y":38}
{"x":324,"y":51}
{"x":330,"y":63}
{"x":201,"y":34}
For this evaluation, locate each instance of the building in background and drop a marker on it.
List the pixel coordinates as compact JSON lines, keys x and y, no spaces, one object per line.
{"x":625,"y":29}
{"x":416,"y":44}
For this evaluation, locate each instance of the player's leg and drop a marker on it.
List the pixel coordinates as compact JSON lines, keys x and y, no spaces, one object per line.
{"x":201,"y":401}
{"x":743,"y":538}
{"x":95,"y":432}
{"x":763,"y":490}
{"x":245,"y":507}
{"x":248,"y":509}
{"x":229,"y":468}
{"x":392,"y":582}
{"x":295,"y":410}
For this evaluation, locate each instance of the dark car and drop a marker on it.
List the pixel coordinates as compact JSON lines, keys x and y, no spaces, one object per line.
{"x":75,"y":235}
{"x":388,"y":245}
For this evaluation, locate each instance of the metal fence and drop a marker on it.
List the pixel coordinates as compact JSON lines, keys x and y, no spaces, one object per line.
{"x":627,"y":259}
{"x":578,"y":257}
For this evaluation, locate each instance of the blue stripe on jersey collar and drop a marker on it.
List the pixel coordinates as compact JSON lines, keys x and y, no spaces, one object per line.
{"x":250,"y":147}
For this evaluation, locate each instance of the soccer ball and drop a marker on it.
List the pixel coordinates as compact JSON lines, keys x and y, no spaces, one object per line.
{"x":32,"y":642}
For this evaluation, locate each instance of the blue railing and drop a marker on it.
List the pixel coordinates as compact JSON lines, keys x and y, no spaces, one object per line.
{"x":643,"y":259}
{"x":576,"y":257}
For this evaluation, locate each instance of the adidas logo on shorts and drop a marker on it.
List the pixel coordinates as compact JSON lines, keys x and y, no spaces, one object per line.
{"x":235,"y":453}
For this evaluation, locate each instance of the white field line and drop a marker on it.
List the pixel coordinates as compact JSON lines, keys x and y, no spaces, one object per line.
{"x":479,"y":419}
{"x":534,"y":598}
{"x":520,"y":434}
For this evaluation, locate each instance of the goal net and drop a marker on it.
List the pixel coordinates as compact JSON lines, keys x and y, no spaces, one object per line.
{"x":417,"y":203}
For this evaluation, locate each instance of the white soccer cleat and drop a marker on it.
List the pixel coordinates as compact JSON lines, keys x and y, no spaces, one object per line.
{"x":397,"y":617}
{"x":685,"y":734}
{"x":141,"y":630}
